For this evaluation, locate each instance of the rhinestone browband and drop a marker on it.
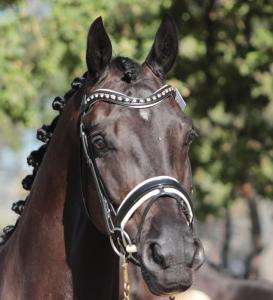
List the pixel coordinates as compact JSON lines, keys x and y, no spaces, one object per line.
{"x":114,"y":97}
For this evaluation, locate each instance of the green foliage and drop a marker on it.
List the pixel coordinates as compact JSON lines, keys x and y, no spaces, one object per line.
{"x":224,"y":71}
{"x":227,"y":67}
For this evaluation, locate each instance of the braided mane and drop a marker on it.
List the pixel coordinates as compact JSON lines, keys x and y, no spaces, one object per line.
{"x":130,"y":70}
{"x":35,"y":158}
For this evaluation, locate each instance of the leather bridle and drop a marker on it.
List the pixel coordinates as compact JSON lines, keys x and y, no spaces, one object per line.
{"x":150,"y":189}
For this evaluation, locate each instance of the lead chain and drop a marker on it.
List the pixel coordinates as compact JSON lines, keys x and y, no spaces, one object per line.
{"x":126,"y":284}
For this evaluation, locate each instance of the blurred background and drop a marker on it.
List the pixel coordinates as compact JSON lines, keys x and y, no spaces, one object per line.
{"x":224,"y":72}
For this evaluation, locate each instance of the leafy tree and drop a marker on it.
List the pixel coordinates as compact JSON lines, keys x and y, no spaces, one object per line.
{"x":226,"y":63}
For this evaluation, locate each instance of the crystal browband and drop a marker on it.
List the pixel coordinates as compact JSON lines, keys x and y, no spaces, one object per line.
{"x":114,"y":97}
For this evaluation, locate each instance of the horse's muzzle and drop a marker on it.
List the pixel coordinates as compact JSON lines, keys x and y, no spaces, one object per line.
{"x":169,"y":253}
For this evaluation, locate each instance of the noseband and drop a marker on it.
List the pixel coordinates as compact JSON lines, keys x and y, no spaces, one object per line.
{"x":149,"y":190}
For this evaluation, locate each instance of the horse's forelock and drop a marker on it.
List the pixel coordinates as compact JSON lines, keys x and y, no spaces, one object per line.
{"x":129,"y":68}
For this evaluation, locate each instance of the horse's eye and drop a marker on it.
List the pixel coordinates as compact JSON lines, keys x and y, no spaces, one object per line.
{"x":99,"y":143}
{"x":191,"y":136}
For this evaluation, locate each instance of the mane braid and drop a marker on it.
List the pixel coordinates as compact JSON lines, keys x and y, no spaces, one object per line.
{"x":129,"y":68}
{"x":35,"y":158}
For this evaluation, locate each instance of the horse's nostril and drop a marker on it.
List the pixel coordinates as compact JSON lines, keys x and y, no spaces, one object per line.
{"x":199,"y":255}
{"x":157,"y":255}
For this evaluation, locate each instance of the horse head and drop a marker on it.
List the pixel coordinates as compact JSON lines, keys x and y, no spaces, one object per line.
{"x":135,"y":160}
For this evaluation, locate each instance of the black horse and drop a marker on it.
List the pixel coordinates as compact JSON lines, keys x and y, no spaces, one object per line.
{"x":116,"y":167}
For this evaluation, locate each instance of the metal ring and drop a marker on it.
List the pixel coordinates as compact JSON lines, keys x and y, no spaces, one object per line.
{"x":115,"y":248}
{"x":126,"y":241}
{"x":124,"y":236}
{"x":118,"y":252}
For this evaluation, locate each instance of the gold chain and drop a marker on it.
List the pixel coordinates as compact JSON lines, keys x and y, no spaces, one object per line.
{"x":126,"y":285}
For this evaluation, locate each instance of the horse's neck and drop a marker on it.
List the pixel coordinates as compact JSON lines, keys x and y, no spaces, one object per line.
{"x":94,"y":266}
{"x":61,"y":255}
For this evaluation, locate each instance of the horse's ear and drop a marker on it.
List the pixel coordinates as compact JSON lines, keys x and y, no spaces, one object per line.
{"x":99,"y":49}
{"x":165,"y":48}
